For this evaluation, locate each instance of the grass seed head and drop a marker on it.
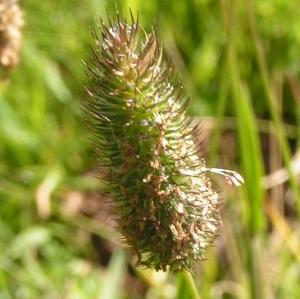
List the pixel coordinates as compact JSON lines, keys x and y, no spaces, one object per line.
{"x":167,"y":209}
{"x":11,"y":21}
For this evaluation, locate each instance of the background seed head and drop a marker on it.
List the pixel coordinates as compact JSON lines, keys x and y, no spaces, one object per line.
{"x":11,"y":21}
{"x":166,"y":207}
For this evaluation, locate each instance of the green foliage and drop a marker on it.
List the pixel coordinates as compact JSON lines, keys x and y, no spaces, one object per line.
{"x":240,"y":63}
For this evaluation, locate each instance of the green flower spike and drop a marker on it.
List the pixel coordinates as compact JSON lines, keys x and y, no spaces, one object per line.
{"x":166,"y":207}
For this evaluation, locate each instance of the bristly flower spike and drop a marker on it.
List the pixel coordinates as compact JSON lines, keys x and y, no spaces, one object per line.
{"x":166,"y":207}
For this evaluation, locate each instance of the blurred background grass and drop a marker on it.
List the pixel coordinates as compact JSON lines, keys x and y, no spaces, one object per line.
{"x":241,"y":64}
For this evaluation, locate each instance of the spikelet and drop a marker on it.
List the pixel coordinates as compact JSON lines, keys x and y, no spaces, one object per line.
{"x":166,"y":207}
{"x":11,"y":20}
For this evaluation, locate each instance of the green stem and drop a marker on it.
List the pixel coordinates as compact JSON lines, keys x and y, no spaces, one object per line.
{"x":220,"y":115}
{"x":191,"y":285}
{"x":221,"y":101}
